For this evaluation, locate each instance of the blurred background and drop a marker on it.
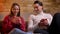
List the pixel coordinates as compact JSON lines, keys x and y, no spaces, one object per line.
{"x":50,"y":6}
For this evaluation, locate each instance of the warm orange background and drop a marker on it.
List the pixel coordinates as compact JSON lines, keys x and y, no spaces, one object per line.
{"x":51,"y":6}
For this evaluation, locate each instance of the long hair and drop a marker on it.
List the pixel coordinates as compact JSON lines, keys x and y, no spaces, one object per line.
{"x":11,"y":13}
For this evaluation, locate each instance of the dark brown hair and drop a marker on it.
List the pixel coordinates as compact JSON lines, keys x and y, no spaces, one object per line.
{"x":38,"y":2}
{"x":15,"y":4}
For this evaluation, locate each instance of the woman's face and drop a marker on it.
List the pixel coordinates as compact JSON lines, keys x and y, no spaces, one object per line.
{"x":37,"y":8}
{"x":15,"y":9}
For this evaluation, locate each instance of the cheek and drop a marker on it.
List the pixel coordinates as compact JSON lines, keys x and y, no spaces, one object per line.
{"x":17,"y":11}
{"x":39,"y":8}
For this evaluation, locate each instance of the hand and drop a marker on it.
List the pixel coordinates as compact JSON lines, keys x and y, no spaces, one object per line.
{"x":43,"y":22}
{"x":46,"y":22}
{"x":16,"y":20}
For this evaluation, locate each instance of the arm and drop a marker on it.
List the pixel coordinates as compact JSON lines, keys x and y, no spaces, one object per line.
{"x":30,"y":23}
{"x":5,"y":25}
{"x":49,"y":19}
{"x":23,"y":24}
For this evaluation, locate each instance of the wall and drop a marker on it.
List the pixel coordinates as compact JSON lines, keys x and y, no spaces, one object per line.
{"x":50,"y":6}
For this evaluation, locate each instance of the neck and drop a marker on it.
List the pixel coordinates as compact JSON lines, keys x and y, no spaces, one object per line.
{"x":41,"y":12}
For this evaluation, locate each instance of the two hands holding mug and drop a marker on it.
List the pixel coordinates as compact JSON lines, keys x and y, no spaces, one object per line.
{"x":43,"y":22}
{"x":16,"y":20}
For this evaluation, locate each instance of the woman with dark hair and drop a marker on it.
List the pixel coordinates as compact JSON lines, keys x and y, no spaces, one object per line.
{"x":13,"y":20}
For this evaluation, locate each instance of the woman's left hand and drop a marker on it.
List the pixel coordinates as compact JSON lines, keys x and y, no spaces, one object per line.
{"x":44,"y":21}
{"x":18,"y":20}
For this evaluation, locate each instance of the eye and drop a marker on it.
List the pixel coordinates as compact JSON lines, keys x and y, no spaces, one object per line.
{"x":36,"y":7}
{"x":17,"y":9}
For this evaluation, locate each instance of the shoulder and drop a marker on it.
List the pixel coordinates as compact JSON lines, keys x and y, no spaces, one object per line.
{"x":48,"y":14}
{"x":32,"y":16}
{"x":6,"y":17}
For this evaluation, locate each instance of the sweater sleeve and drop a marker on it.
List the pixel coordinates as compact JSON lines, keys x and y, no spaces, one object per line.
{"x":23,"y":25}
{"x":6,"y":25}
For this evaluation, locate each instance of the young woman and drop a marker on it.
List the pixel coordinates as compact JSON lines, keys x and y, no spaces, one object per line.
{"x":13,"y":20}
